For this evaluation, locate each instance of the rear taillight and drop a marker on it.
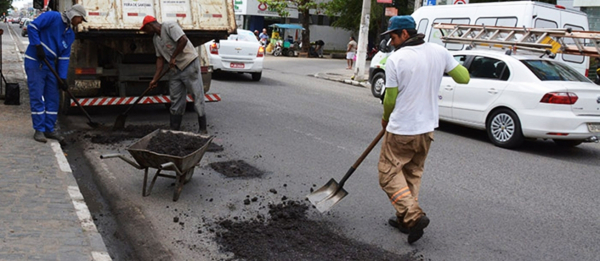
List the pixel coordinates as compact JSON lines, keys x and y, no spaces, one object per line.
{"x":261,"y":52}
{"x":214,"y":48}
{"x":559,"y":98}
{"x":587,"y":71}
{"x":88,"y":71}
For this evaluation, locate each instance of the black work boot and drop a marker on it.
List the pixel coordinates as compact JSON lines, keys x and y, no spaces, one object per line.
{"x":202,"y":125}
{"x":397,"y":223}
{"x":39,"y":136}
{"x":416,"y":232}
{"x":54,"y":135}
{"x":176,"y":122}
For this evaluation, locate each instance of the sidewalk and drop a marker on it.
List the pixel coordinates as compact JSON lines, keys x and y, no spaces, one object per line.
{"x":346,"y":76}
{"x":43,"y":214}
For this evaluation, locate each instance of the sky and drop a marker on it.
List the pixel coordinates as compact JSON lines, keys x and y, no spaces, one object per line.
{"x":21,"y":3}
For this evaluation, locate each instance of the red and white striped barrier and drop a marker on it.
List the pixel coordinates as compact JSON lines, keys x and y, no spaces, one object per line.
{"x":109,"y":101}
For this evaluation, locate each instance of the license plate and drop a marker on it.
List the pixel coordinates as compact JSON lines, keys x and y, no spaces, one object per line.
{"x":594,"y":127}
{"x":237,"y":65}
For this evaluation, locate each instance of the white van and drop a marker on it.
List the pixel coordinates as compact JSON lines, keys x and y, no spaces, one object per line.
{"x":511,"y":14}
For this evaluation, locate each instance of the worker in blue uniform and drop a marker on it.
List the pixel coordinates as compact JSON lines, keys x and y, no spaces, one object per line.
{"x":50,"y":37}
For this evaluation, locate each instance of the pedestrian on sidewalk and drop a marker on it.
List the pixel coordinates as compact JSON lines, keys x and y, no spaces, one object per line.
{"x":319,"y":48}
{"x":413,"y":76}
{"x":50,"y":37}
{"x":351,"y":52}
{"x":173,"y":47}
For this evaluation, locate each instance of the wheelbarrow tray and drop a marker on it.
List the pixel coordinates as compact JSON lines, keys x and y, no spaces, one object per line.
{"x":150,"y":159}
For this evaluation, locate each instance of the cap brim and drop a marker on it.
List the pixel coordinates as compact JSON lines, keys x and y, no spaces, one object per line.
{"x":387,"y":32}
{"x":85,"y":20}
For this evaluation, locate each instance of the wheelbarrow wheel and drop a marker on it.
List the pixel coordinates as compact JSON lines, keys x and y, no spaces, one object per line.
{"x":188,"y":176}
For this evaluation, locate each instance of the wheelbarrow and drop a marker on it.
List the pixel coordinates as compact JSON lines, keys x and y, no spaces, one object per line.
{"x":145,"y":159}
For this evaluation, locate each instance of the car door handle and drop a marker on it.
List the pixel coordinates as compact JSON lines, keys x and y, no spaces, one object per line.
{"x":448,"y":88}
{"x":492,"y":91}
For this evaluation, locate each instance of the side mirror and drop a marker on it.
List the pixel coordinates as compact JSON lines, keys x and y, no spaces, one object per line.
{"x":383,"y":45}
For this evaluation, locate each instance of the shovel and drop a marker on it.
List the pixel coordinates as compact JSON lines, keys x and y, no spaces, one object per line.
{"x":120,"y":121}
{"x":90,"y":122}
{"x":325,"y":197}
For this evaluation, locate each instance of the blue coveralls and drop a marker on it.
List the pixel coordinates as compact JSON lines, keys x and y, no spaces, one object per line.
{"x":50,"y":31}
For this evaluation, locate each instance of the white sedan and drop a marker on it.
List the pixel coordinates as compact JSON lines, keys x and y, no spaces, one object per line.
{"x":514,"y":97}
{"x":240,"y":53}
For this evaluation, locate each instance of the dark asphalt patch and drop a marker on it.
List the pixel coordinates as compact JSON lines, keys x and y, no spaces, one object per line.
{"x":289,"y":235}
{"x":236,"y":169}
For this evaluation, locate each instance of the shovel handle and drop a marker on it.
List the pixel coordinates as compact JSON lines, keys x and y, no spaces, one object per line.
{"x":361,"y":158}
{"x":67,"y":90}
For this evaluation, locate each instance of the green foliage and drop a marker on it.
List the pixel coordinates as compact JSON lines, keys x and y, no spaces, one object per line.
{"x":5,"y":5}
{"x":280,"y":6}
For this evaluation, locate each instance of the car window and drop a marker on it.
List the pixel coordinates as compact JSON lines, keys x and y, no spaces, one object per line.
{"x":435,"y":36}
{"x":460,"y":59}
{"x":552,"y":71}
{"x":488,"y":68}
{"x":245,"y":36}
{"x":569,"y":41}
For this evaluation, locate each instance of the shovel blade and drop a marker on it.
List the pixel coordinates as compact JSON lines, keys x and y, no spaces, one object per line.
{"x":120,"y":122}
{"x":325,"y":197}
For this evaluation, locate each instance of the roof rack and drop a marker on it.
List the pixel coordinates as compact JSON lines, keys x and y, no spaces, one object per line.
{"x":543,"y":40}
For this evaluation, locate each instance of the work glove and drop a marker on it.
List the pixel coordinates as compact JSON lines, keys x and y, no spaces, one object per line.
{"x":40,"y":52}
{"x":63,"y":85}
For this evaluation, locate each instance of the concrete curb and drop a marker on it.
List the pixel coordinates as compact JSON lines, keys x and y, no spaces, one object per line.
{"x":364,"y":84}
{"x":130,"y":217}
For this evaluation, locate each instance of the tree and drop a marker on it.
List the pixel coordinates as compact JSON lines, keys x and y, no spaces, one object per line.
{"x":303,"y":6}
{"x":5,"y":5}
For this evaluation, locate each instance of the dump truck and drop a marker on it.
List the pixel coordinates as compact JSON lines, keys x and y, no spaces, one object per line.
{"x":112,"y":61}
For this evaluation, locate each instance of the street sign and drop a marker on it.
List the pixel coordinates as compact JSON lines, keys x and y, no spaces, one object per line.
{"x":461,"y":2}
{"x":391,"y":11}
{"x":431,"y":2}
{"x":384,"y":1}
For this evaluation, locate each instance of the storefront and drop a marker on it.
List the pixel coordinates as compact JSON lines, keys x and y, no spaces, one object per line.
{"x":253,"y":15}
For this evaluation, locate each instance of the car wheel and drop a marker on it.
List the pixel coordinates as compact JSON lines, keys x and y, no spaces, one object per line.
{"x":256,"y":76}
{"x":377,"y":84}
{"x":567,"y":143}
{"x":504,"y":129}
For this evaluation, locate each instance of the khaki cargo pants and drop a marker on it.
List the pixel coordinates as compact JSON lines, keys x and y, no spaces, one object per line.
{"x":400,"y":167}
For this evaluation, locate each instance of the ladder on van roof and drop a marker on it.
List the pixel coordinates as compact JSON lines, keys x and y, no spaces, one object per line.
{"x":543,"y":40}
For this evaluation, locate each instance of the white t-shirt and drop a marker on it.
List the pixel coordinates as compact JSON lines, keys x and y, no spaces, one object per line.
{"x":417,"y":71}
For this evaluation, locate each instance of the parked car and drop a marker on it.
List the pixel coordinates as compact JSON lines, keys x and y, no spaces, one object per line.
{"x":24,"y":28}
{"x":22,"y":22}
{"x":240,"y":53}
{"x":517,"y":97}
{"x":16,"y":20}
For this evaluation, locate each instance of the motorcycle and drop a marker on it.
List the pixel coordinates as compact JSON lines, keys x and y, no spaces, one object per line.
{"x":372,"y":53}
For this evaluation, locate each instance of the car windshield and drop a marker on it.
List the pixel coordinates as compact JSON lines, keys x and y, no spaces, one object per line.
{"x":243,"y":36}
{"x":552,"y":71}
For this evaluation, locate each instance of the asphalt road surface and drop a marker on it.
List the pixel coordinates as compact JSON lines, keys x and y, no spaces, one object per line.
{"x":538,"y":202}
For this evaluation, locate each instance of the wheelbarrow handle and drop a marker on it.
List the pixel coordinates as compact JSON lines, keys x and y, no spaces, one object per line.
{"x":121,"y":156}
{"x":171,"y":166}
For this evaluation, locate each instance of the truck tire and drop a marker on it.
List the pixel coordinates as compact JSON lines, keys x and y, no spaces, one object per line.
{"x":63,"y":103}
{"x":377,"y":84}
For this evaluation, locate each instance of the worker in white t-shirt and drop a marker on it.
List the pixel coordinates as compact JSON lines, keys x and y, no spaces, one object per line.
{"x":413,"y":76}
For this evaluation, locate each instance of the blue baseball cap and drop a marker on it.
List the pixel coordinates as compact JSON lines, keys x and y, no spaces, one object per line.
{"x":400,"y":22}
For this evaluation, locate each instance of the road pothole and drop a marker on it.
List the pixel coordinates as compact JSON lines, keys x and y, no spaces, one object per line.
{"x":236,"y":169}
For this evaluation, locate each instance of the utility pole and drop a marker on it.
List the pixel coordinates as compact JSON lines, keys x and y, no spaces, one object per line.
{"x":363,"y":40}
{"x":417,"y":4}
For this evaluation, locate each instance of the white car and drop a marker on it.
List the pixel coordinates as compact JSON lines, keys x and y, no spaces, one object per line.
{"x":241,"y":53}
{"x":517,"y":97}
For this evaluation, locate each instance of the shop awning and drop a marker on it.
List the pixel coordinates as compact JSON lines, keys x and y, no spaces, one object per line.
{"x":287,"y":26}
